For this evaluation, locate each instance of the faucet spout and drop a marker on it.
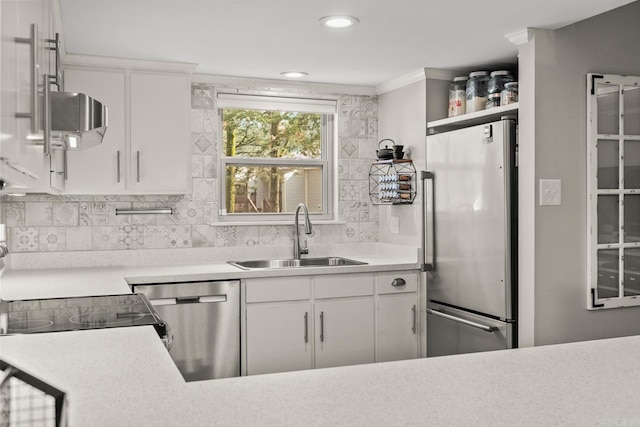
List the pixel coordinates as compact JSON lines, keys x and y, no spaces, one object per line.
{"x":297,"y":250}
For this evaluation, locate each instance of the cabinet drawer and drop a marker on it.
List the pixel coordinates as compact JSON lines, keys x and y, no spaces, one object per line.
{"x":385,"y":282}
{"x":343,"y":285}
{"x":278,"y":289}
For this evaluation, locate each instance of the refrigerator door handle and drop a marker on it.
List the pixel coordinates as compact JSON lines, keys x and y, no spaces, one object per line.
{"x":428,"y":176}
{"x":480,"y":326}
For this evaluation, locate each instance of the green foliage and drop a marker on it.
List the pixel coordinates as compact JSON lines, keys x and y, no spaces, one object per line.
{"x":268,"y":134}
{"x":272,"y":134}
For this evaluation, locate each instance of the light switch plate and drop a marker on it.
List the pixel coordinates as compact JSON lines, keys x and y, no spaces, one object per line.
{"x":394,"y":225}
{"x":550,"y":192}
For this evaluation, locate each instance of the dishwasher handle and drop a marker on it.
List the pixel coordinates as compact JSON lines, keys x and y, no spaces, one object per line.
{"x":189,"y":300}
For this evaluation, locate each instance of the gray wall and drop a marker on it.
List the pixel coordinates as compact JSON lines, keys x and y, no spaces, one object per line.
{"x":553,"y":129}
{"x":401,"y":117}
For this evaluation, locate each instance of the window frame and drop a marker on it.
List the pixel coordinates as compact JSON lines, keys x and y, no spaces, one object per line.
{"x":328,"y":108}
{"x":593,"y":246}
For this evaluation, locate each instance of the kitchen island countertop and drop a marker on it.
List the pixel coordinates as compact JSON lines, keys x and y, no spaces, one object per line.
{"x":123,"y":376}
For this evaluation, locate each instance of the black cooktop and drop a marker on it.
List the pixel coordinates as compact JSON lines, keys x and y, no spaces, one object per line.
{"x":76,"y":313}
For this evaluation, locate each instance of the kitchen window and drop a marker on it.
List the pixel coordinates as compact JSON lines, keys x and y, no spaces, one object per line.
{"x":613,"y":176}
{"x":275,"y":153}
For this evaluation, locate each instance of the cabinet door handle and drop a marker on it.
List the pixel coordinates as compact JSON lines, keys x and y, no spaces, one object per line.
{"x":66,"y":165}
{"x":322,"y":326}
{"x":46,"y":119}
{"x":137,"y":166}
{"x":118,"y":166}
{"x":413,"y":328}
{"x":306,"y":327}
{"x":33,"y":99}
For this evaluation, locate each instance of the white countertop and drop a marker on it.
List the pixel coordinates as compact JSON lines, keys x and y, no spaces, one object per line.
{"x":124,"y":377}
{"x":59,"y":275}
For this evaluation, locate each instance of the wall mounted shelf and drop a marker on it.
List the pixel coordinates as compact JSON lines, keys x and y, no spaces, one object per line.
{"x":392,"y":182}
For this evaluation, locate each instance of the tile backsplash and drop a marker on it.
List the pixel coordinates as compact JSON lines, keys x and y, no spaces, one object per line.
{"x":45,"y":223}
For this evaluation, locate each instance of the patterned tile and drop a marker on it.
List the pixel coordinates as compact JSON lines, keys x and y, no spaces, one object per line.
{"x":24,"y":239}
{"x":210,"y":166}
{"x":202,"y":96}
{"x":79,"y":238}
{"x":197,"y":166}
{"x":190,"y":213}
{"x":52,"y":238}
{"x":112,"y":218}
{"x":349,"y":148}
{"x":155,"y":237}
{"x":368,"y":231}
{"x":105,"y":238}
{"x":359,"y":169}
{"x":144,"y":219}
{"x":37,"y":213}
{"x":203,"y":236}
{"x":179,"y":236}
{"x":130,"y":237}
{"x":92,"y":213}
{"x":14,"y":213}
{"x":349,"y":190}
{"x":275,"y":234}
{"x":226,"y":235}
{"x":204,"y":189}
{"x":343,"y":169}
{"x":350,"y":232}
{"x":197,"y":120}
{"x":65,"y":214}
{"x":202,"y":143}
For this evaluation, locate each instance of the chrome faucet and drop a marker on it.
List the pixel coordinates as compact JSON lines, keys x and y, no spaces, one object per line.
{"x":297,"y":250}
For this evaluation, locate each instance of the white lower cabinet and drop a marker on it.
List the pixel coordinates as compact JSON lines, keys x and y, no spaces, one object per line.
{"x":344,"y":332}
{"x":398,"y":316}
{"x":278,"y":337}
{"x":398,"y":327}
{"x":306,"y":322}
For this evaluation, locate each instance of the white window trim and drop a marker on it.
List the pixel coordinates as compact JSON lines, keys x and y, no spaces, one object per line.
{"x":594,"y":302}
{"x":327,"y":107}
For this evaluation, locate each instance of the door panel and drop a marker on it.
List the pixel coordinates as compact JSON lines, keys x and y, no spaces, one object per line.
{"x":344,"y":332}
{"x":398,"y":327}
{"x":279,"y":337}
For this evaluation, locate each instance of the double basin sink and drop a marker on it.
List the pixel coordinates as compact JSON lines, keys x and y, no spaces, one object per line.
{"x":294,"y":263}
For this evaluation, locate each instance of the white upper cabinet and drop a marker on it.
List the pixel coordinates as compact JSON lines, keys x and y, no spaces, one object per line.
{"x":99,"y":169}
{"x":146,"y":148}
{"x":25,"y":26}
{"x":160,"y":131}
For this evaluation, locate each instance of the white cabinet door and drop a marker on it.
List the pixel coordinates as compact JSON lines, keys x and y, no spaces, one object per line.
{"x":344,"y":332}
{"x":278,"y":337}
{"x":100,"y":169}
{"x":398,"y":330}
{"x":23,"y":160}
{"x":160,"y":144}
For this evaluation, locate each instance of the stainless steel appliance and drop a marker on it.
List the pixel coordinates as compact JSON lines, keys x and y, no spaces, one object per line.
{"x":79,"y":313}
{"x":470,"y":240}
{"x":205,"y":319}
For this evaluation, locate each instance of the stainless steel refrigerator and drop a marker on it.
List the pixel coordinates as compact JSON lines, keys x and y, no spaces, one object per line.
{"x":470,"y":240}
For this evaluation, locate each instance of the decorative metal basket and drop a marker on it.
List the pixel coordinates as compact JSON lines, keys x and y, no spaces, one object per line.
{"x":28,"y":401}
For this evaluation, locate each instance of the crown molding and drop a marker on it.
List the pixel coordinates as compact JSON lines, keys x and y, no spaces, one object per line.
{"x":401,"y":81}
{"x":520,"y":37}
{"x":275,"y":84}
{"x":125,"y":63}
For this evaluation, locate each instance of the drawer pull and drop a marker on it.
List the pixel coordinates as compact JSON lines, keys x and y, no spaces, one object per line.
{"x":399,"y":281}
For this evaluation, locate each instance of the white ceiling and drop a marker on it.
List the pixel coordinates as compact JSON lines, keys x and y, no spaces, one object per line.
{"x":262,"y":38}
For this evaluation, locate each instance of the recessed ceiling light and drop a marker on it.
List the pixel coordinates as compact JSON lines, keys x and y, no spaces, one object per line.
{"x":294,"y":74}
{"x":338,"y":21}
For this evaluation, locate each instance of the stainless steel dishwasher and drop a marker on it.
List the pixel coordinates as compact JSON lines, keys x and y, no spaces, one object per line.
{"x":205,"y":319}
